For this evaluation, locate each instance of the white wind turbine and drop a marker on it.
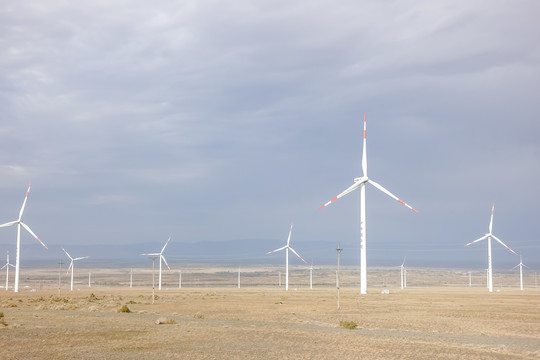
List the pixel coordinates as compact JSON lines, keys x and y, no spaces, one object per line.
{"x":287,"y":248}
{"x":7,"y":270}
{"x":403,"y":276}
{"x":521,"y":265}
{"x":161,"y":257}
{"x":71,"y":265}
{"x":361,"y":183}
{"x":19,"y":223}
{"x":488,"y":236}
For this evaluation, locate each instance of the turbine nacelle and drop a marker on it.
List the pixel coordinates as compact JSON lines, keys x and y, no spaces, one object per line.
{"x":362,"y":179}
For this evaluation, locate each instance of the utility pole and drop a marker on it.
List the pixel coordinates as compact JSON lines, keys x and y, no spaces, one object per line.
{"x":154,"y":277}
{"x":60,"y":276}
{"x":239,"y":277}
{"x":131,"y":278}
{"x":279,"y":283}
{"x":337,"y":277}
{"x":470,"y":278}
{"x":180,"y":279}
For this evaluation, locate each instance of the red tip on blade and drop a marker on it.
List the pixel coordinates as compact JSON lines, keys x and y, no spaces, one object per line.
{"x":41,"y":242}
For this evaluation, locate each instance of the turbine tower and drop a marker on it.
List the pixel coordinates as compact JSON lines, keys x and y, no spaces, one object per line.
{"x":7,"y":270}
{"x":488,"y":236}
{"x":71,"y":265}
{"x":287,"y":248}
{"x":521,"y":265}
{"x":403,"y":276}
{"x":161,"y":257}
{"x":361,"y":183}
{"x":19,"y":223}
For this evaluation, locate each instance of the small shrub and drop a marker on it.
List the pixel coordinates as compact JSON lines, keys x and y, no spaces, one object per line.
{"x":198,"y":316}
{"x":351,"y":325}
{"x":131,"y":302}
{"x":92,"y":297}
{"x":124,"y":309}
{"x":2,"y":320}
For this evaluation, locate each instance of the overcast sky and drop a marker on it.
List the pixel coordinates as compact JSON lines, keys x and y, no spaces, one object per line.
{"x":226,"y":120}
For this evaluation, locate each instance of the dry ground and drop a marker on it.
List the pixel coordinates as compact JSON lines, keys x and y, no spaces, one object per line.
{"x":269,"y":323}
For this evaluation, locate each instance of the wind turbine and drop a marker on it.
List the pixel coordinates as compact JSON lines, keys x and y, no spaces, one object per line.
{"x":19,"y":224}
{"x":488,"y":236}
{"x":287,"y":248}
{"x":7,"y":270}
{"x":361,"y":183}
{"x":521,"y":265}
{"x":403,"y":278}
{"x":71,"y":265}
{"x":161,"y":257}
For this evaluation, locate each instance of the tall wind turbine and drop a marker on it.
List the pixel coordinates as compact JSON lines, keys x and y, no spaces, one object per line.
{"x":71,"y":265}
{"x":287,"y":248}
{"x":7,"y":270}
{"x":488,"y":236}
{"x":161,"y":258}
{"x":19,"y":223}
{"x":361,"y":183}
{"x":521,"y":265}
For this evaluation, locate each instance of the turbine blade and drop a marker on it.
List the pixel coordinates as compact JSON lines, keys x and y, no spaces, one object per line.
{"x":24,"y":202}
{"x":380,"y":187}
{"x":80,"y":258}
{"x":503,"y":244}
{"x":364,"y":155}
{"x":2,"y":268}
{"x":477,"y":240}
{"x":164,"y":246}
{"x":34,"y":235}
{"x":273,"y":251}
{"x":516,"y":266}
{"x":152,"y":254}
{"x":295,"y":253}
{"x":491,"y":220}
{"x":70,"y":267}
{"x":69,"y":256}
{"x":165,"y":261}
{"x":9,"y":223}
{"x":290,"y":232}
{"x":348,"y":190}
{"x":405,"y":258}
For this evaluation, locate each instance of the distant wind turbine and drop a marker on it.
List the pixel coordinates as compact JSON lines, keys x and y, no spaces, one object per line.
{"x":403,"y":278}
{"x":7,"y":270}
{"x":161,"y":257}
{"x":311,"y":276}
{"x":287,"y":248}
{"x":19,"y":223}
{"x":488,"y":236}
{"x":71,"y":265}
{"x":521,"y":265}
{"x":361,"y":183}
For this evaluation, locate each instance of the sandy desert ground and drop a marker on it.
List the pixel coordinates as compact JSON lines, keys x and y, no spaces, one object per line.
{"x":266,"y":322}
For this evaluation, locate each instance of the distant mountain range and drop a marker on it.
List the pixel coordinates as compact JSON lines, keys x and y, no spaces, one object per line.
{"x":238,"y":252}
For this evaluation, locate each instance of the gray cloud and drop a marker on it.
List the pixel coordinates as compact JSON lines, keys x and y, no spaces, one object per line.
{"x":218,"y":121}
